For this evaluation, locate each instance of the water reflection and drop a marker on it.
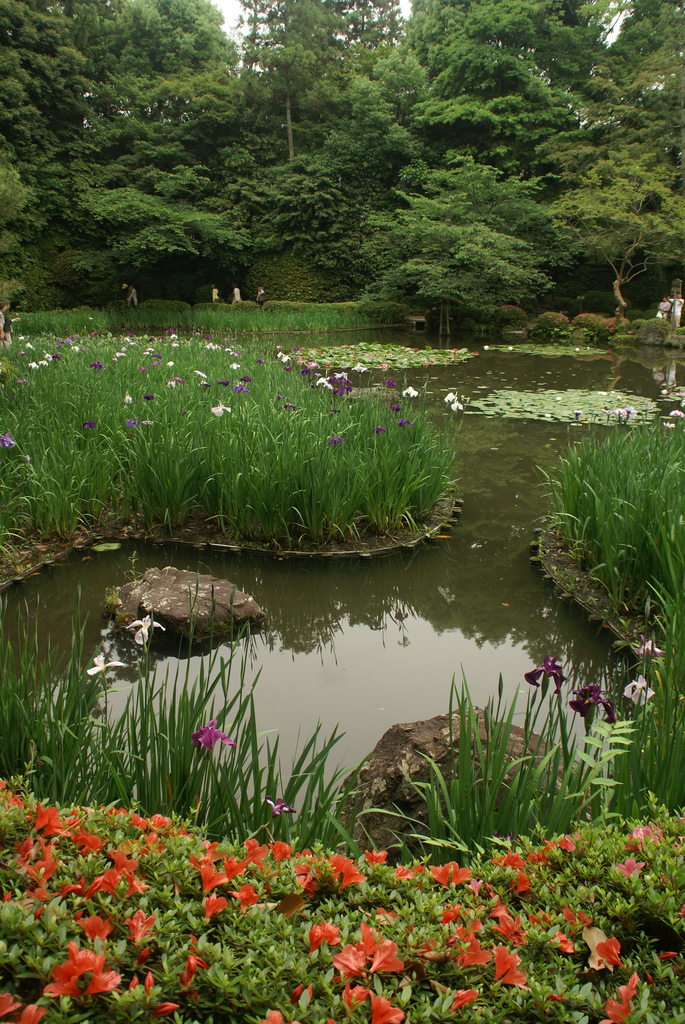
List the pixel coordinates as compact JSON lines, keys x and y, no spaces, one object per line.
{"x":369,"y":643}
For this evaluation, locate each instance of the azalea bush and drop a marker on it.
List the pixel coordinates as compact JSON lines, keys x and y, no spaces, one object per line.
{"x":160,"y":428}
{"x":552,"y":327}
{"x":512,"y":318}
{"x":109,"y":914}
{"x":596,"y":327}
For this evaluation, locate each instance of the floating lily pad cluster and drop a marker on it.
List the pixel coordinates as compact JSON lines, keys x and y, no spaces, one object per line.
{"x":530,"y":349}
{"x":385,"y":357}
{"x":568,"y":405}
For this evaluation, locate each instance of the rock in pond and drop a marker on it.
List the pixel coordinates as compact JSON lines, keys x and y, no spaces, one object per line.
{"x":398,"y":759}
{"x":171,"y":596}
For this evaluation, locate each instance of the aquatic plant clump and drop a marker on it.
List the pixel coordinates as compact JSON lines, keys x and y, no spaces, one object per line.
{"x":162,"y":429}
{"x":570,"y":405}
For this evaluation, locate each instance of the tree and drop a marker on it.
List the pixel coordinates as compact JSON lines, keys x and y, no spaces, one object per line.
{"x":623,"y":206}
{"x":459,"y":240}
{"x":291,"y":44}
{"x":500,"y":73}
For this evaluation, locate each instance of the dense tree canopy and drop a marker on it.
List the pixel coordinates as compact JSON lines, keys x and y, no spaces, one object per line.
{"x":485,"y":151}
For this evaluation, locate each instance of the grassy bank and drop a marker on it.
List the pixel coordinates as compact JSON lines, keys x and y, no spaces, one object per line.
{"x":245,"y":317}
{"x":162,"y":429}
{"x":620,"y":498}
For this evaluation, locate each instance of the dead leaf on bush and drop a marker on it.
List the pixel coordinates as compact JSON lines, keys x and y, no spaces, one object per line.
{"x":593,"y":936}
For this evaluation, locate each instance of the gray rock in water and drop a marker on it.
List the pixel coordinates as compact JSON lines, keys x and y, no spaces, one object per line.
{"x":649,"y":334}
{"x":171,"y":596}
{"x":399,"y":758}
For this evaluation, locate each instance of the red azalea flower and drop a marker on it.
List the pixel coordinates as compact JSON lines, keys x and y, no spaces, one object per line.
{"x":325,"y":932}
{"x":213,"y":904}
{"x":344,"y":871}
{"x":376,"y":856}
{"x":505,"y":967}
{"x":139,"y":925}
{"x":247,"y":895}
{"x":383,"y":1012}
{"x":463,"y":997}
{"x":164,"y":1009}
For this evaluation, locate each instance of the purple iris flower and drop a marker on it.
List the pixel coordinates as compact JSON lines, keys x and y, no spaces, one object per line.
{"x":240,"y":388}
{"x":405,"y":423}
{"x":260,"y":361}
{"x":649,"y":649}
{"x":589,"y":697}
{"x":337,"y":440}
{"x":288,"y":405}
{"x":56,"y":356}
{"x":148,"y":398}
{"x":205,"y":384}
{"x":390,"y":383}
{"x":6,"y":440}
{"x":548,"y":668}
{"x":333,"y":411}
{"x":89,"y":424}
{"x":288,"y":369}
{"x":224,"y":382}
{"x":277,"y":396}
{"x":394,"y":408}
{"x":247,"y":380}
{"x":131,"y":423}
{"x":97,"y":365}
{"x":208,"y":736}
{"x":279,"y":806}
{"x":380,"y":430}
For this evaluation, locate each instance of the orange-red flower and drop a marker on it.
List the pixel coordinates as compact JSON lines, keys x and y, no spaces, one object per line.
{"x":344,"y":871}
{"x":255,"y":852}
{"x":213,"y":904}
{"x":211,"y":877}
{"x":383,"y":1012}
{"x":463,"y":997}
{"x":247,"y":895}
{"x":505,"y":967}
{"x":139,"y":925}
{"x":450,"y":873}
{"x":473,"y":954}
{"x":164,"y":1009}
{"x":376,"y":856}
{"x":280,"y":850}
{"x":619,"y":1011}
{"x":8,"y":1003}
{"x":96,"y":928}
{"x":511,"y":929}
{"x":385,"y":958}
{"x":609,"y":952}
{"x":351,"y":961}
{"x":353,"y":996}
{"x":80,"y":962}
{"x":325,"y":932}
{"x":564,"y":943}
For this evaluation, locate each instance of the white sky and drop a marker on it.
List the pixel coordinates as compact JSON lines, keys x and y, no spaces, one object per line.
{"x":231,"y":11}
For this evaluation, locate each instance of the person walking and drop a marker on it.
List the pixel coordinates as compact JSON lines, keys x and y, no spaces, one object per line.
{"x":261,"y":297}
{"x":215,"y":293}
{"x":6,"y":325}
{"x":236,"y":295}
{"x":131,"y":295}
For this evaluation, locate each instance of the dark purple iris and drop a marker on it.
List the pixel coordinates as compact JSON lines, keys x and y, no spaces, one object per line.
{"x":279,"y":806}
{"x":56,"y":356}
{"x":589,"y":697}
{"x":288,"y":405}
{"x":380,"y":430}
{"x":247,"y":380}
{"x":390,"y":383}
{"x":240,"y":388}
{"x":224,"y":382}
{"x":131,"y":423}
{"x":548,"y":668}
{"x":148,"y":398}
{"x":89,"y":424}
{"x":405,"y":423}
{"x":337,"y":440}
{"x":97,"y":365}
{"x":260,"y":361}
{"x":288,"y":369}
{"x":394,"y":408}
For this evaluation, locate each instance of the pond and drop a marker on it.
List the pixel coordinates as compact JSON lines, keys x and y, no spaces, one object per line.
{"x":366,"y":643}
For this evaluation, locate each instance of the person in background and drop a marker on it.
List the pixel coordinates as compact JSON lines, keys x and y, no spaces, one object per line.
{"x":677,"y":310}
{"x":236,"y":295}
{"x":6,"y":325}
{"x":664,"y":308}
{"x":131,"y":295}
{"x":215,"y":293}
{"x":261,"y":297}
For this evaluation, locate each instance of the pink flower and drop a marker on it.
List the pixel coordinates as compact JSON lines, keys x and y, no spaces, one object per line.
{"x":630,"y":867}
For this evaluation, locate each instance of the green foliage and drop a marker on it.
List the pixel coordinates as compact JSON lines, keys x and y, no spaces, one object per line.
{"x":552,"y":326}
{"x":137,"y":898}
{"x":512,"y":318}
{"x":285,"y":277}
{"x":597,"y":328}
{"x":383,"y":312}
{"x":108,"y":424}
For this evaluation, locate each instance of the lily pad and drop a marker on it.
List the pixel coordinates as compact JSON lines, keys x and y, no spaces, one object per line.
{"x":525,"y":348}
{"x":566,"y":406}
{"x":109,"y":546}
{"x":377,"y":356}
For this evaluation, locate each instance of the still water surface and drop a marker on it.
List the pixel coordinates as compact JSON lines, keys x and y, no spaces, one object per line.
{"x":364,"y":644}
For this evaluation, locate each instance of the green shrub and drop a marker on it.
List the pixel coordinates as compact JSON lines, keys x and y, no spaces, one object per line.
{"x":286,"y":276}
{"x":162,"y":306}
{"x":383,"y":312}
{"x":512,"y":318}
{"x":596,"y":327}
{"x":119,"y":916}
{"x":203,"y":293}
{"x":552,"y":327}
{"x":599,"y":302}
